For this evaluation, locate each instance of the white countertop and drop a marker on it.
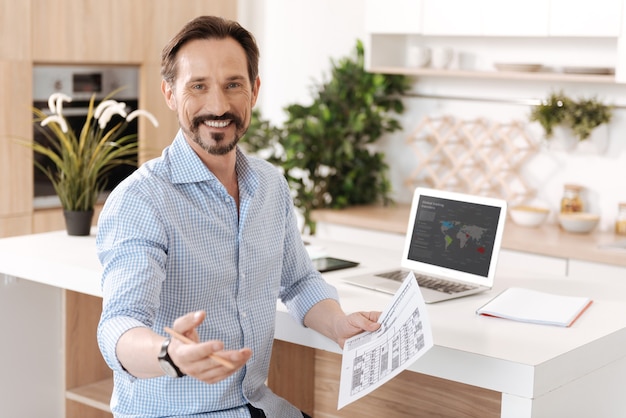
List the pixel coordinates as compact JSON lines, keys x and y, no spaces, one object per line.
{"x":527,"y":360}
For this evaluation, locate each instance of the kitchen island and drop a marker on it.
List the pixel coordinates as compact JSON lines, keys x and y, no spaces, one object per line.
{"x":478,"y":367}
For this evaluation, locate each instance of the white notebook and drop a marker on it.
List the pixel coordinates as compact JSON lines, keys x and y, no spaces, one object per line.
{"x":527,"y":305}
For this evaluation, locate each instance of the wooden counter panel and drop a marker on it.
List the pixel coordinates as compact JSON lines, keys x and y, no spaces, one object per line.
{"x":407,"y":395}
{"x":84,"y":363}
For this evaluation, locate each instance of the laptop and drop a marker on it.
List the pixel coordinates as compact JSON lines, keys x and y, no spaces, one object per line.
{"x":452,"y":245}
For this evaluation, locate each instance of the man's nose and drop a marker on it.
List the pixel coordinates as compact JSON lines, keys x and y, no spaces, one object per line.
{"x":216,"y":102}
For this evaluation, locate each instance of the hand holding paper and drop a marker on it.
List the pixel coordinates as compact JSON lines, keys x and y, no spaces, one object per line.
{"x":372,"y":358}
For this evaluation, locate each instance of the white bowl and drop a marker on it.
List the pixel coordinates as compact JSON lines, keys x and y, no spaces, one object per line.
{"x":531,"y":216}
{"x":580,"y":222}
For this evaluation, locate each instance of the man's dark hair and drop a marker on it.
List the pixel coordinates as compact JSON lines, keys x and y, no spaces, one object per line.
{"x":210,"y":27}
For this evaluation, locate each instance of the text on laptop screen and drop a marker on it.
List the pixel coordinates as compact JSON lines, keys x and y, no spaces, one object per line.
{"x":454,"y":234}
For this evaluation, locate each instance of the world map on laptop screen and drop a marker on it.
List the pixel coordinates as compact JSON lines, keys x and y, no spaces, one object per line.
{"x":454,"y":234}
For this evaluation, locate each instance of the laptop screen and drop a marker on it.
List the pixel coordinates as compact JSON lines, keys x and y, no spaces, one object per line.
{"x":458,"y":233}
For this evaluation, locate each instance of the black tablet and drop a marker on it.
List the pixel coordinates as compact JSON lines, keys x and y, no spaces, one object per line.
{"x":324,"y":264}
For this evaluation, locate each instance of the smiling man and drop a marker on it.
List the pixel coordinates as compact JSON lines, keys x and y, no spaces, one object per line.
{"x":204,"y":239}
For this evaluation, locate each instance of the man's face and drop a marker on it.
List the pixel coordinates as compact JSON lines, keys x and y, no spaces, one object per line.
{"x":212,"y":94}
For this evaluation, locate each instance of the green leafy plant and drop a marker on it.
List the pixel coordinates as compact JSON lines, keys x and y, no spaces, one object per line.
{"x":581,"y":116}
{"x":80,"y":159}
{"x":326,"y":149}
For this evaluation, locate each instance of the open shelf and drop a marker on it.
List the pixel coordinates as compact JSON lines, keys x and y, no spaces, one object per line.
{"x":97,"y":394}
{"x":498,"y":75}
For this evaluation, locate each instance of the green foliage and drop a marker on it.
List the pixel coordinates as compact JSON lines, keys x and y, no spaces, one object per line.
{"x":582,"y":116}
{"x":80,"y":161}
{"x":325,"y":149}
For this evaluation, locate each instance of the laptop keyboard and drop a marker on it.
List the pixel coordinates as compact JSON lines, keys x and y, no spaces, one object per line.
{"x":428,"y":282}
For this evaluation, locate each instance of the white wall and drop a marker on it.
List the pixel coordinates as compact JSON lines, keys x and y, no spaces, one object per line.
{"x":298,"y":37}
{"x":31,"y":379}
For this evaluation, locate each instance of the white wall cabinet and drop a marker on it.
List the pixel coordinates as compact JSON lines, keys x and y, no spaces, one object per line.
{"x":393,"y":26}
{"x":514,"y":18}
{"x":394,"y":16}
{"x":452,"y":17}
{"x":598,"y":18}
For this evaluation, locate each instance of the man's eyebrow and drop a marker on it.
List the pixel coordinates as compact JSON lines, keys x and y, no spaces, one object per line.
{"x":197,"y":80}
{"x":236,"y":78}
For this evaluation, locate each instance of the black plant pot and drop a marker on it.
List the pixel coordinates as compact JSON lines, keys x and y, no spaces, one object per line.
{"x":78,"y":222}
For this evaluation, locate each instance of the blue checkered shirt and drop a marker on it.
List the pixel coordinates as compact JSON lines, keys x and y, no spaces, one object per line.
{"x":171,"y":241}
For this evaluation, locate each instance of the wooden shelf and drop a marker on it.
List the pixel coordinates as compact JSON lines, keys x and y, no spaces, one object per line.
{"x":499,"y":75}
{"x":97,"y":395}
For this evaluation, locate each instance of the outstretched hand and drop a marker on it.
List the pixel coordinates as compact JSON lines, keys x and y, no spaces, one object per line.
{"x":197,"y":359}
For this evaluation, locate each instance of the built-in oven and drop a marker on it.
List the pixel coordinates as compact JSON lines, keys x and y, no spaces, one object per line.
{"x":80,"y":83}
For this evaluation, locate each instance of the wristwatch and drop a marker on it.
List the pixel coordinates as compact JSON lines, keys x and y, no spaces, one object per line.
{"x":166,"y":363}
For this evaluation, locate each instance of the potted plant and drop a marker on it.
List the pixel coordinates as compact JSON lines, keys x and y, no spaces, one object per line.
{"x":581,"y":116}
{"x":325,"y":149}
{"x":80,"y":159}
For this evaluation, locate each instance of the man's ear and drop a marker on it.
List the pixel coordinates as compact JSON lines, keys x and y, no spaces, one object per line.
{"x":255,"y":91}
{"x":168,"y":93}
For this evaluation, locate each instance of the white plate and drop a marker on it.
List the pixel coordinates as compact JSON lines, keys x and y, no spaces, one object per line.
{"x":527,"y":68}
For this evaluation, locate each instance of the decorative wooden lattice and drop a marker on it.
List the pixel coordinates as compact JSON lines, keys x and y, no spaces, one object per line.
{"x":475,"y":156}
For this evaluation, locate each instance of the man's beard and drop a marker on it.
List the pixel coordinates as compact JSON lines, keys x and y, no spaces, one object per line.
{"x":220,"y":148}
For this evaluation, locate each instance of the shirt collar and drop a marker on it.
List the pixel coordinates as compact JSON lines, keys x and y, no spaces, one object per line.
{"x":187,"y":167}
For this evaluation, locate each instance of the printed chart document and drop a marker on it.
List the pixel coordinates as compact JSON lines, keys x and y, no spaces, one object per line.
{"x":370,"y":359}
{"x":527,"y":305}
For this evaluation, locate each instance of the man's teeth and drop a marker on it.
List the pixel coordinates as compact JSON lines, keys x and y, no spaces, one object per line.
{"x":217,"y":123}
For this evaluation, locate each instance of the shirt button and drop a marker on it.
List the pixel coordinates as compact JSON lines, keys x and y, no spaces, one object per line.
{"x":244,"y":315}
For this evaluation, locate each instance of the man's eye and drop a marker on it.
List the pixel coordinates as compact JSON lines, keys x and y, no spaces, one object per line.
{"x":233,"y":85}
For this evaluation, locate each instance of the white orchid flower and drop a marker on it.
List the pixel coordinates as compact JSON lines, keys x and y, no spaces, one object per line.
{"x":55,"y":102}
{"x":102,"y":106}
{"x":107,"y":114}
{"x":58,"y":119}
{"x":141,"y":112}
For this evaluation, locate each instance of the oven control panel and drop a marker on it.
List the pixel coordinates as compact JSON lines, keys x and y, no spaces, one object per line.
{"x":81,"y":82}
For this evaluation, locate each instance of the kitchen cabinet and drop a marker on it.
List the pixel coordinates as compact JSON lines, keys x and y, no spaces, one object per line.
{"x":452,"y":17}
{"x":481,"y":23}
{"x":16,"y":182}
{"x":514,"y":18}
{"x":394,"y":16}
{"x":79,"y":32}
{"x":585,"y":18}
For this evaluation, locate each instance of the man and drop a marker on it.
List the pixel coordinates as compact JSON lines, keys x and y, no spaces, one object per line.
{"x":204,"y":239}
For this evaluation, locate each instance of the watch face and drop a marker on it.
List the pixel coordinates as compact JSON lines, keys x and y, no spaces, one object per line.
{"x":167,"y":367}
{"x":166,"y":362}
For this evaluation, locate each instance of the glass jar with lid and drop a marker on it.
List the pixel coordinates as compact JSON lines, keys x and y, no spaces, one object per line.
{"x":572,"y":201}
{"x":620,"y":222}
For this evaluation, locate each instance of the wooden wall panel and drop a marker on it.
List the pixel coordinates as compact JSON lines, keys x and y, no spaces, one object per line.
{"x":165,"y":17}
{"x":88,"y":31}
{"x":45,"y":220}
{"x":15,"y":37}
{"x":11,"y":226}
{"x":16,"y":169}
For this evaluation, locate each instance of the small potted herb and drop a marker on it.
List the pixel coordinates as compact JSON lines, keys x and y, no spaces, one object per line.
{"x":581,"y":116}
